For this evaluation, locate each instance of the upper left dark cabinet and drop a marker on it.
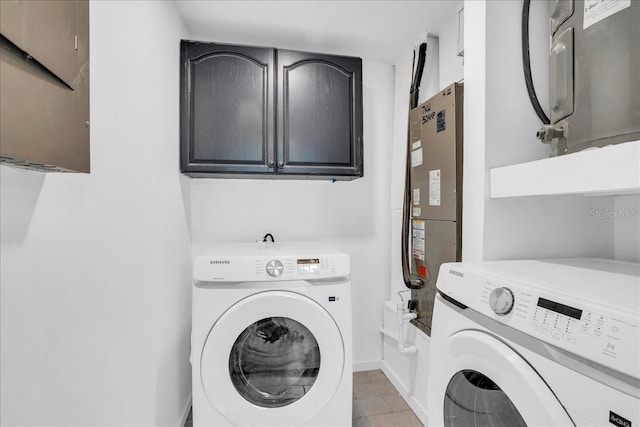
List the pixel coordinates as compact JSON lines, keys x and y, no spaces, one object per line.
{"x":269,"y":113}
{"x":227,"y":108}
{"x":44,"y":79}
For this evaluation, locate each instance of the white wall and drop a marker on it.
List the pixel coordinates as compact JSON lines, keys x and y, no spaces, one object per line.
{"x":531,"y":227}
{"x":351,"y":216}
{"x":430,"y":83}
{"x":626,"y":220}
{"x":451,"y":65}
{"x":95,"y":269}
{"x":473,"y":165}
{"x":402,"y":84}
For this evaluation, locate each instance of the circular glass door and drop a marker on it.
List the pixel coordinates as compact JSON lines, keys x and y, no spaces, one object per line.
{"x":274,"y":362}
{"x":478,"y":380}
{"x":274,"y":357}
{"x":472,"y":399}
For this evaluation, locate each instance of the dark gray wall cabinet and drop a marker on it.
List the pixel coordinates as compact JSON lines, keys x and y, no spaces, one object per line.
{"x":263,"y":112}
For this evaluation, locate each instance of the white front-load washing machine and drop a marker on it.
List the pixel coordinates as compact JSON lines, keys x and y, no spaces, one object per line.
{"x":536,"y":343}
{"x":271,"y":341}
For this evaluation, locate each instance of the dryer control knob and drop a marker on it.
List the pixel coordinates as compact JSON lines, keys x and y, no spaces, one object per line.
{"x":274,"y":268}
{"x":501,"y":301}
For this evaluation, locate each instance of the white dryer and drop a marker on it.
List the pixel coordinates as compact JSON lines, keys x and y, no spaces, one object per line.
{"x":536,"y":343}
{"x":271,"y":341}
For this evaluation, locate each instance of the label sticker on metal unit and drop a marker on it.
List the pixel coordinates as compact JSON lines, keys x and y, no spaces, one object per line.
{"x":597,"y":10}
{"x":417,"y":246}
{"x":416,"y":145}
{"x":440,"y":121}
{"x":434,"y":187}
{"x":416,"y":196}
{"x":416,"y":157}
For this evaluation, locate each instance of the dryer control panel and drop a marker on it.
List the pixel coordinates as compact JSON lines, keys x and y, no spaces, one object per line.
{"x":591,"y":313}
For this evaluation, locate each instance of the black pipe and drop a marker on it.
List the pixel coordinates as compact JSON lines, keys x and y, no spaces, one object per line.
{"x":415,"y":84}
{"x":526,"y":64}
{"x":410,"y":282}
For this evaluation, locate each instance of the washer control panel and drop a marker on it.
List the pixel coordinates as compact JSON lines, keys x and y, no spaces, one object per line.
{"x":290,"y":268}
{"x":590,"y":312}
{"x":602,"y":336}
{"x":209,"y":269}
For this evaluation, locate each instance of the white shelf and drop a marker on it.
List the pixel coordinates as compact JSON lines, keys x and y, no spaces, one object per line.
{"x":610,"y":170}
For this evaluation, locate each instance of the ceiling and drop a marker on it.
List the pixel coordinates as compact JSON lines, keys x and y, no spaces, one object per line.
{"x":374,"y":30}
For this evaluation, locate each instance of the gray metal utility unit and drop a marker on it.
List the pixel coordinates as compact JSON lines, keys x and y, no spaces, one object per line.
{"x":436,"y":189}
{"x":594,"y":74}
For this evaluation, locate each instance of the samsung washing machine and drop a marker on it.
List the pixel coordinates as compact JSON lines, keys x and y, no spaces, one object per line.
{"x":536,"y":343}
{"x":271,"y":341}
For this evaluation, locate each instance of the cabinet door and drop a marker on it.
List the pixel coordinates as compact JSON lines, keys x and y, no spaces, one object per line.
{"x":44,"y":108}
{"x":46,"y":30}
{"x":319,"y":114}
{"x":226,"y":109}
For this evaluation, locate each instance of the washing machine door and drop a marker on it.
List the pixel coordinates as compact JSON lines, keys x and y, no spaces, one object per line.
{"x":484,"y":382}
{"x":274,"y":358}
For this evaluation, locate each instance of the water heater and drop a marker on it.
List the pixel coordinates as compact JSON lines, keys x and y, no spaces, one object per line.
{"x":594,"y":74}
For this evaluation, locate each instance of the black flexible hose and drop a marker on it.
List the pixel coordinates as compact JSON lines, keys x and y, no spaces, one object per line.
{"x":409,"y":282}
{"x":526,"y":63}
{"x":264,"y":239}
{"x":415,"y":85}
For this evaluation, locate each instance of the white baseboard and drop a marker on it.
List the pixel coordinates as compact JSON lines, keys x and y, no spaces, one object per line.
{"x":402,"y":390}
{"x":367,"y":366}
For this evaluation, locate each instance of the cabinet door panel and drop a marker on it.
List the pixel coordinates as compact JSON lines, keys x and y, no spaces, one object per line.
{"x":227,"y":110}
{"x":319,"y":114}
{"x":317,"y":94}
{"x":46,"y":30}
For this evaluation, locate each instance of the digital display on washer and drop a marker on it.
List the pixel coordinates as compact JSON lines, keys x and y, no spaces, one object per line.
{"x":309,"y":261}
{"x":560,"y":308}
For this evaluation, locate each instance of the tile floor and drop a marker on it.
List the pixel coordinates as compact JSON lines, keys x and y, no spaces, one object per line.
{"x":375,"y":403}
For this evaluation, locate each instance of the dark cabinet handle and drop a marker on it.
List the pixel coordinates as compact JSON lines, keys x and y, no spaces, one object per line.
{"x":280,"y":165}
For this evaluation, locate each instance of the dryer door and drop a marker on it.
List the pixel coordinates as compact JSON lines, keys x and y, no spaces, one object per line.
{"x":485,"y":382}
{"x":275,"y":357}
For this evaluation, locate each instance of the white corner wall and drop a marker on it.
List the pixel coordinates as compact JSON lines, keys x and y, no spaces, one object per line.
{"x":351,"y":216}
{"x":430,"y":84}
{"x":95,"y":269}
{"x":500,"y":127}
{"x":473,"y":165}
{"x":626,"y":220}
{"x":451,"y":65}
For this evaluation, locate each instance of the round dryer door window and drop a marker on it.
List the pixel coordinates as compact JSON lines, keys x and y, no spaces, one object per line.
{"x":274,"y":362}
{"x":473,"y":399}
{"x":274,"y":357}
{"x":481,"y":381}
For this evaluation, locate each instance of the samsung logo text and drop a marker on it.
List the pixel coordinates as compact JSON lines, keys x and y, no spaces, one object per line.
{"x":456,"y":273}
{"x":617,"y":420}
